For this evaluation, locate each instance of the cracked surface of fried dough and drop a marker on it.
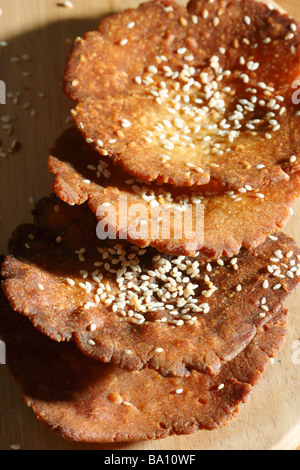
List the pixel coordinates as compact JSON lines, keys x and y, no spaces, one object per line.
{"x":188,"y":95}
{"x":82,"y":400}
{"x":222,"y":221}
{"x":137,"y":307}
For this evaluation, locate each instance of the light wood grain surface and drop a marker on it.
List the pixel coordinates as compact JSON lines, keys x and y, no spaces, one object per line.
{"x":38,"y":33}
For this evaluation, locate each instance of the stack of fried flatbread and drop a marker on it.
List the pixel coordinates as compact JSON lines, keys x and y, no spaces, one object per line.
{"x":154,"y":277}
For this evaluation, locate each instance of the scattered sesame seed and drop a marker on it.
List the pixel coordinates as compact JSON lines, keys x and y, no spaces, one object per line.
{"x":183,"y":21}
{"x":15,"y":446}
{"x":289,"y":36}
{"x":125,"y":123}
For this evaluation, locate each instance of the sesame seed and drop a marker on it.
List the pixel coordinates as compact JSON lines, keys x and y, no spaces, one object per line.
{"x":289,"y":36}
{"x":40,"y":286}
{"x":183,"y":21}
{"x":123,"y":42}
{"x":247,"y":20}
{"x":179,"y":391}
{"x":265,"y":284}
{"x":131,"y":25}
{"x":293,"y":158}
{"x":125,"y":123}
{"x":15,"y":446}
{"x":66,"y":4}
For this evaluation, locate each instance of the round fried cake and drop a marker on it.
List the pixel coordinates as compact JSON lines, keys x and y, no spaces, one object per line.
{"x":175,"y":220}
{"x":188,"y":95}
{"x":137,"y":307}
{"x":83,"y":400}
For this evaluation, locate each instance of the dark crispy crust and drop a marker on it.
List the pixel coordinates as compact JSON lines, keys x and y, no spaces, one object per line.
{"x":100,"y":76}
{"x":233,"y":301}
{"x":229,"y":224}
{"x":83,"y":400}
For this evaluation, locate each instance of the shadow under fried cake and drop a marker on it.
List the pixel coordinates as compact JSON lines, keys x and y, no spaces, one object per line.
{"x":84,"y":400}
{"x":188,"y":95}
{"x":138,"y":307}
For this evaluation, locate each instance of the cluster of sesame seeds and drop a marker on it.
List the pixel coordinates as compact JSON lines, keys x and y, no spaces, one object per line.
{"x":280,"y":267}
{"x":167,"y":287}
{"x":195,"y":105}
{"x":101,"y":169}
{"x":143,"y":286}
{"x":156,"y":195}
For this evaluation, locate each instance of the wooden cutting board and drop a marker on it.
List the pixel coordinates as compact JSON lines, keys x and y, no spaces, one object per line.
{"x":39,"y":33}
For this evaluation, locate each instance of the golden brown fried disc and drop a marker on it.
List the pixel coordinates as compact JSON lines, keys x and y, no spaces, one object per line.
{"x":83,"y":400}
{"x":174,"y":220}
{"x":137,"y":307}
{"x":185,"y":95}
